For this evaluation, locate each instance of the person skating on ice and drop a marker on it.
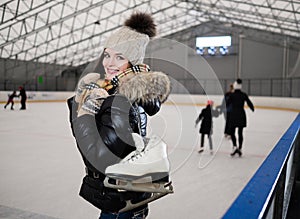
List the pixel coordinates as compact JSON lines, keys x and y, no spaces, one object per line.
{"x":237,"y":119}
{"x":11,"y":100}
{"x":22,"y":94}
{"x":109,"y":118}
{"x":226,"y":108}
{"x":206,"y":127}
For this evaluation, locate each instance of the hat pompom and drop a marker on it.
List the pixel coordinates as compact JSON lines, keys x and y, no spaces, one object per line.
{"x":237,"y":85}
{"x":142,"y":23}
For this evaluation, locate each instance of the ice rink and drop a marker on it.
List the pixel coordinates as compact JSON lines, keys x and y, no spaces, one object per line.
{"x":41,"y":168}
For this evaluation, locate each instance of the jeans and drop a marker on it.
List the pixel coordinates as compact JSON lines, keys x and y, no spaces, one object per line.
{"x":140,"y":214}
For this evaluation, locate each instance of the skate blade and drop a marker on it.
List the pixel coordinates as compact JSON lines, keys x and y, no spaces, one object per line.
{"x":155,"y":196}
{"x":161,"y":187}
{"x":149,"y":177}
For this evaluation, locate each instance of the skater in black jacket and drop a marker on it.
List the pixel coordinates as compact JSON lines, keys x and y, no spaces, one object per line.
{"x":237,"y":119}
{"x":206,"y":127}
{"x":227,"y":108}
{"x":23,"y":96}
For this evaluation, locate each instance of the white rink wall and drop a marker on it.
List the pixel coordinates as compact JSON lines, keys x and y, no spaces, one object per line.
{"x":284,"y":103}
{"x":38,"y":96}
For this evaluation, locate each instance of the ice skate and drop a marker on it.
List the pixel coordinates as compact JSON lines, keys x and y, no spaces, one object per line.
{"x":234,"y":151}
{"x":143,"y":170}
{"x":239,"y":152}
{"x":201,"y":150}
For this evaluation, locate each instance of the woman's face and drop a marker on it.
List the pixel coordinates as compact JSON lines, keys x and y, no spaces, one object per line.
{"x":114,"y":63}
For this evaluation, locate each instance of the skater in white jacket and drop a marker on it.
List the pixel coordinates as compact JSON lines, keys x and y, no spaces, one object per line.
{"x":109,"y":118}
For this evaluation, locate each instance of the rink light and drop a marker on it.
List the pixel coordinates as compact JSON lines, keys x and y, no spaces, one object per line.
{"x":212,"y":51}
{"x":223,"y":50}
{"x":213,"y":45}
{"x":200,"y":50}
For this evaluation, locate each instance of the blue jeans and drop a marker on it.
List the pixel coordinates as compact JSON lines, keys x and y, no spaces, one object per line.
{"x":139,"y":214}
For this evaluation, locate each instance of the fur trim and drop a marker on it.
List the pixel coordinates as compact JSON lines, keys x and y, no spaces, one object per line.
{"x":146,"y":86}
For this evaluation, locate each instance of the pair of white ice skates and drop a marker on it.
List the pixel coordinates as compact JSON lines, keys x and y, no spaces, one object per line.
{"x":144,"y":170}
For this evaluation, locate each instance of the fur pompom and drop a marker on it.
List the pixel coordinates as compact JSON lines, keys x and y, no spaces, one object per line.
{"x":142,"y":23}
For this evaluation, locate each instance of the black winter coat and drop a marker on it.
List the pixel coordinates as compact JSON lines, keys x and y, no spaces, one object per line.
{"x":206,"y":117}
{"x":103,"y":140}
{"x":238,"y":115}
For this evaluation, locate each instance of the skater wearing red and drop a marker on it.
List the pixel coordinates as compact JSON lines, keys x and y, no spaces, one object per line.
{"x":238,"y":115}
{"x":11,"y":100}
{"x":206,"y":127}
{"x":109,"y":118}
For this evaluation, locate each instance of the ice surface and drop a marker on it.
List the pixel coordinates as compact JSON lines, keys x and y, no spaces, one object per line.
{"x":41,"y":168}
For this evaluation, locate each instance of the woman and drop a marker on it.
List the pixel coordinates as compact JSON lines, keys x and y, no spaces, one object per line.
{"x":237,"y":117}
{"x":23,"y":97}
{"x":227,"y":110}
{"x":108,"y":118}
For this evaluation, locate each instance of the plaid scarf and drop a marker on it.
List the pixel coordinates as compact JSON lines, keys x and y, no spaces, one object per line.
{"x":109,"y":84}
{"x":93,"y":96}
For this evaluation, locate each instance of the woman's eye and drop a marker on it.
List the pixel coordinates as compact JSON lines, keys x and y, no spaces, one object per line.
{"x":120,"y":58}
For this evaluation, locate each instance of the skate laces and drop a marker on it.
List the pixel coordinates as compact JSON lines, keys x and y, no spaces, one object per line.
{"x":152,"y":141}
{"x":137,"y":155}
{"x":140,"y":152}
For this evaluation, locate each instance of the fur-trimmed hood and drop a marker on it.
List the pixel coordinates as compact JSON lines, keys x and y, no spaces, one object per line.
{"x":146,"y":86}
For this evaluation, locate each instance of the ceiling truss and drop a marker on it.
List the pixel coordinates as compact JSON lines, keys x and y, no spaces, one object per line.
{"x":71,"y":32}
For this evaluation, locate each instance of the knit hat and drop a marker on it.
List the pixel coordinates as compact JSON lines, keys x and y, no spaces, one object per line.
{"x":131,"y":39}
{"x":210,"y":102}
{"x":237,"y":85}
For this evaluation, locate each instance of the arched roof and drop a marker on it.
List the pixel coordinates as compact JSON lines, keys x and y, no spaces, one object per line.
{"x":71,"y":32}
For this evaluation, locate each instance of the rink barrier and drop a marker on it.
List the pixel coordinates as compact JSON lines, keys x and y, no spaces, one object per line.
{"x":38,"y":96}
{"x":267,"y":194}
{"x":271,"y":103}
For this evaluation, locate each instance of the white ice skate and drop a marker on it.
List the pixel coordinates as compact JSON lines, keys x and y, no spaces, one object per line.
{"x":144,"y":170}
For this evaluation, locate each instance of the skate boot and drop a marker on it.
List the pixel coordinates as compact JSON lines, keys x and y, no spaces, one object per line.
{"x":201,"y":150}
{"x":145,"y":170}
{"x":235,"y":151}
{"x":239,"y":152}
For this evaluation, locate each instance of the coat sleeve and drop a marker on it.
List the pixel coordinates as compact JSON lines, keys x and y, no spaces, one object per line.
{"x":151,"y":107}
{"x":249,"y":103}
{"x":199,"y":117}
{"x":215,"y":112}
{"x":91,"y":145}
{"x":97,"y":135}
{"x":113,"y":125}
